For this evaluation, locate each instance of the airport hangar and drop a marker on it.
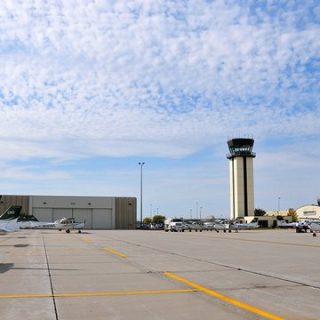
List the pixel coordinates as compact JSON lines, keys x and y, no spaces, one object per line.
{"x":98,"y":212}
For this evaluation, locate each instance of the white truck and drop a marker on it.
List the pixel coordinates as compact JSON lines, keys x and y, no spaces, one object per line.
{"x":173,"y":225}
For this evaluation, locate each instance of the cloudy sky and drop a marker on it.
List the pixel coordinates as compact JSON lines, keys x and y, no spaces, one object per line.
{"x":88,"y":88}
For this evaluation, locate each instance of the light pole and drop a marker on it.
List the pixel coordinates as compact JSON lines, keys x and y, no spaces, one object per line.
{"x":197,"y":205}
{"x":278,"y":205}
{"x":141,"y":165}
{"x":200,"y":212}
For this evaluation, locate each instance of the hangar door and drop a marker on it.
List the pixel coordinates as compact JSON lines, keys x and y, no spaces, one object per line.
{"x":101,"y":218}
{"x":59,"y":213}
{"x":83,"y":215}
{"x":43,"y":214}
{"x":94,"y":218}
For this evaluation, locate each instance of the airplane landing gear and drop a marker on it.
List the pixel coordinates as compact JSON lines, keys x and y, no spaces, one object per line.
{"x":67,"y":231}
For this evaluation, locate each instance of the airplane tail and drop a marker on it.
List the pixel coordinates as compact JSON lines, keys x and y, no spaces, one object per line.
{"x":11,"y":213}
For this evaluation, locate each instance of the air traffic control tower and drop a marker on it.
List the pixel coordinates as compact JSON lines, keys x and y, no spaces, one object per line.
{"x":241,"y":177}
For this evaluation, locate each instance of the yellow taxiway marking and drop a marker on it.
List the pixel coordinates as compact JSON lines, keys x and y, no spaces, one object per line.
{"x":95,"y":294}
{"x":86,"y":240}
{"x":278,"y":242}
{"x":117,"y":253}
{"x":265,"y":241}
{"x":223,"y":297}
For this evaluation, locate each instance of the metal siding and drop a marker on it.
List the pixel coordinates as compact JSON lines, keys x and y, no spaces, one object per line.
{"x":102,"y":218}
{"x":72,"y":202}
{"x":126,"y":213}
{"x":132,"y":213}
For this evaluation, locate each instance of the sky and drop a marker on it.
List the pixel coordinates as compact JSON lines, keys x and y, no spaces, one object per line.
{"x":89,"y":88}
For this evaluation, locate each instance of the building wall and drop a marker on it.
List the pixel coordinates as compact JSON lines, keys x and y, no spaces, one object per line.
{"x":237,"y":190}
{"x":231,"y":193}
{"x":97,"y":212}
{"x":250,"y":186}
{"x":308,"y":212}
{"x":125,"y":213}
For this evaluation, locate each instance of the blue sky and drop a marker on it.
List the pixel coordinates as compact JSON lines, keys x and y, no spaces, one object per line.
{"x":90,"y":88}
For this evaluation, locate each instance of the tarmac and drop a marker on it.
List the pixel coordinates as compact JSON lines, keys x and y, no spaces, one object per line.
{"x":140,"y":274}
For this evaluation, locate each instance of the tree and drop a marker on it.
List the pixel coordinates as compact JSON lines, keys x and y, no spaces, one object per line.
{"x":147,"y":220}
{"x":293,"y":214}
{"x":158,"y":219}
{"x":259,"y":212}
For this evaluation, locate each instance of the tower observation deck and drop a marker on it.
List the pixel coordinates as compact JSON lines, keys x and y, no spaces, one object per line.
{"x":241,"y":177}
{"x":240,"y":147}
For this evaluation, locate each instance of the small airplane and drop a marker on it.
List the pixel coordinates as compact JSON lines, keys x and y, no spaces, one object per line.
{"x":66,"y":224}
{"x":219,"y":226}
{"x":314,"y":227}
{"x":228,"y":226}
{"x":244,"y":226}
{"x":12,"y":220}
{"x":69,"y":224}
{"x":281,"y":223}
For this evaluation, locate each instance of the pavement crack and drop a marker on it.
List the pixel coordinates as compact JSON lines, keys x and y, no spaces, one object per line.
{"x":231,"y":267}
{"x":50,"y":279}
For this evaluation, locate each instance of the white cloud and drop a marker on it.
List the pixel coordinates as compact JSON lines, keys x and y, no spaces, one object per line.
{"x":151,"y":77}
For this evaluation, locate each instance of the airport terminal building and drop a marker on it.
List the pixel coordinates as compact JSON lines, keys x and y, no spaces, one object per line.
{"x":97,"y":212}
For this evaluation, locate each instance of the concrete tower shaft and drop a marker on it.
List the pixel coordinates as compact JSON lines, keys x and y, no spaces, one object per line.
{"x":241,"y":177}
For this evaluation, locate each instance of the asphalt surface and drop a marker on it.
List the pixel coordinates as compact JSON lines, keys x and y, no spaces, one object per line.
{"x":119,"y":274}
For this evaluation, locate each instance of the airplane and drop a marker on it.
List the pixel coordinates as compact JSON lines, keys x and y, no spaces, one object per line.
{"x":232,"y":225}
{"x":314,"y":227}
{"x":12,"y":220}
{"x":281,"y":223}
{"x":218,"y":225}
{"x":66,"y":224}
{"x":244,"y":226}
{"x":221,"y":227}
{"x":69,"y":224}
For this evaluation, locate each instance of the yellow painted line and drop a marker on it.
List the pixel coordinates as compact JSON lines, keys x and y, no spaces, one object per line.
{"x":263,"y":241}
{"x":95,"y":294}
{"x":278,"y":242}
{"x":224,"y":298}
{"x":13,"y":296}
{"x":117,"y":253}
{"x":86,"y":240}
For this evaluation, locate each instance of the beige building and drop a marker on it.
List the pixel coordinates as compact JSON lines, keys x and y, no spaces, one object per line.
{"x":98,"y":212}
{"x":311,"y":211}
{"x":275,"y":213}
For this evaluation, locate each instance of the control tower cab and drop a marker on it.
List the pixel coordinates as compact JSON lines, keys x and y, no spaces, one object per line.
{"x":241,"y":177}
